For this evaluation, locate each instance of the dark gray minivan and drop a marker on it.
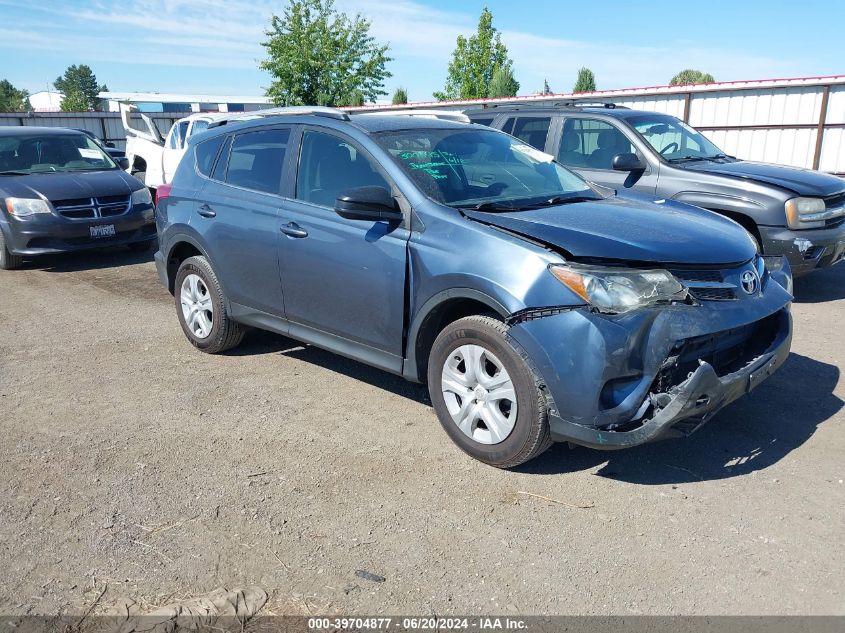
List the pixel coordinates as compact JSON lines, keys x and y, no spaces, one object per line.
{"x":60,"y":192}
{"x":799,"y":213}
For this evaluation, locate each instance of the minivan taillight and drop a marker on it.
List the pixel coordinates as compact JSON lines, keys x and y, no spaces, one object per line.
{"x":162,"y":192}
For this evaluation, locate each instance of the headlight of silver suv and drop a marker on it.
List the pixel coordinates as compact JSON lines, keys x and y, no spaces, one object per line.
{"x":141,"y":196}
{"x":618,"y":290}
{"x":809,"y":213}
{"x":27,"y":206}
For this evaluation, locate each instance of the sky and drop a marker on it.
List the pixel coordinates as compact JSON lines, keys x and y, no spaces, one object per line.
{"x":214,"y":46}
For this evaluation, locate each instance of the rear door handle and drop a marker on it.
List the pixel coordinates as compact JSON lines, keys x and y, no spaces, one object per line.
{"x":207,"y":212}
{"x":294,"y":230}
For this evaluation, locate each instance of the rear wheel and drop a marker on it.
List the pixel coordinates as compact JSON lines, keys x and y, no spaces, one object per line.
{"x":200,"y":307}
{"x":485,"y":395}
{"x":8,"y":261}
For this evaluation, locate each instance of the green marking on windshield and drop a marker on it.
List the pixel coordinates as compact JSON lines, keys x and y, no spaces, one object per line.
{"x":431,"y":162}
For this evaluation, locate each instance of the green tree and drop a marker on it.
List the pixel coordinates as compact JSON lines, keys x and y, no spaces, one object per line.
{"x":400,"y":96}
{"x":691,"y":76}
{"x":586,"y":81}
{"x":475,"y":61}
{"x":546,"y":89}
{"x":319,"y":56}
{"x":80,"y":88}
{"x":503,"y":84}
{"x":12,"y":99}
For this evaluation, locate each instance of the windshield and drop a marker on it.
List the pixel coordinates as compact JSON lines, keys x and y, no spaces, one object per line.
{"x":483,"y":169}
{"x":673,"y":139}
{"x":31,"y":154}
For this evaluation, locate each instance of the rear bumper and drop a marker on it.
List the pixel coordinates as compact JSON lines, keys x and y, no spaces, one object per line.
{"x":46,"y":235}
{"x":619,"y":381}
{"x":806,"y":250}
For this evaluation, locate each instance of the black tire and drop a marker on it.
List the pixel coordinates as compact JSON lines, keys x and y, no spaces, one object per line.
{"x":225,"y":333}
{"x":8,"y":261}
{"x":141,"y":247}
{"x":530,"y":435}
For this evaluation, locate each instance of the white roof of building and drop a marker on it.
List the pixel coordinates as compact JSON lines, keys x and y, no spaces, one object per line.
{"x":165,"y":97}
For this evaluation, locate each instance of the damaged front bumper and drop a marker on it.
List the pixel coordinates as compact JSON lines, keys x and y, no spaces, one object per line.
{"x":685,"y":407}
{"x":616,"y":382}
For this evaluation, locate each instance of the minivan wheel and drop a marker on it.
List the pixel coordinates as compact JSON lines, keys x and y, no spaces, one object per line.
{"x":8,"y":261}
{"x":201,"y":309}
{"x":485,"y":395}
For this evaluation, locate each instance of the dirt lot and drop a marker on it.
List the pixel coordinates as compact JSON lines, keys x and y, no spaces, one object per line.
{"x":135,"y":461}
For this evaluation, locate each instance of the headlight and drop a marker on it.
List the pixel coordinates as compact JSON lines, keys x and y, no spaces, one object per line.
{"x":27,"y":206}
{"x":809,"y":213}
{"x":141,"y":196}
{"x":618,"y":290}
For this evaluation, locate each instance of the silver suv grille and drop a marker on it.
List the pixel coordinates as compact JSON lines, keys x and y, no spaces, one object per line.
{"x":92,"y":208}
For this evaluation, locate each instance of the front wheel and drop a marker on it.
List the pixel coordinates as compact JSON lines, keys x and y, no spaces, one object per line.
{"x":8,"y":261}
{"x":485,"y":395}
{"x":201,"y":308}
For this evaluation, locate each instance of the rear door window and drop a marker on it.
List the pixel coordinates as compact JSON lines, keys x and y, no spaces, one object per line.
{"x":256,"y":160}
{"x":533,"y":130}
{"x":206,"y":153}
{"x":591,"y":143}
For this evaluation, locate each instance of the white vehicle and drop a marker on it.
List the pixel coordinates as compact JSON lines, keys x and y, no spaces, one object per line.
{"x":154,"y":159}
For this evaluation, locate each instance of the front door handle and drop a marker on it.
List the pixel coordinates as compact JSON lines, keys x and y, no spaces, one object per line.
{"x":207,"y":212}
{"x":294,"y":230}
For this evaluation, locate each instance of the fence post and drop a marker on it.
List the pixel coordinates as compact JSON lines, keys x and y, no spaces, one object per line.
{"x":817,"y":154}
{"x":687,"y":99}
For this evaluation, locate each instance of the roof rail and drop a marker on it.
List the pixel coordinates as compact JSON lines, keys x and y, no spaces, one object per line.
{"x":331,"y":113}
{"x":446,"y":115}
{"x":574,"y":103}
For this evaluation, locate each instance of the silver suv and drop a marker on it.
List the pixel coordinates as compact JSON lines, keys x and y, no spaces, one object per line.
{"x":799,"y":213}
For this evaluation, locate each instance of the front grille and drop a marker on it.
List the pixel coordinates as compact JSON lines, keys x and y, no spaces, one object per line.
{"x":706,"y":285}
{"x":835,"y":202}
{"x":713,"y":294}
{"x":92,"y":208}
{"x":726,"y":351}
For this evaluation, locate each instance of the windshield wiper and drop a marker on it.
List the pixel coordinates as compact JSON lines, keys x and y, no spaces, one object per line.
{"x":558,"y":200}
{"x":492,"y":207}
{"x":689,"y":158}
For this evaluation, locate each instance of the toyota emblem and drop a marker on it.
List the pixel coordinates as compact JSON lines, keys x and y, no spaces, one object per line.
{"x":750,"y":282}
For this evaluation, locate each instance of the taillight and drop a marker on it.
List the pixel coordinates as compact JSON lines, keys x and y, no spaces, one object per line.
{"x":162,"y":192}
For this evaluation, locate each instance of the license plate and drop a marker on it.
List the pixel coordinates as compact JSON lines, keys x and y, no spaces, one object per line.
{"x":102,"y":230}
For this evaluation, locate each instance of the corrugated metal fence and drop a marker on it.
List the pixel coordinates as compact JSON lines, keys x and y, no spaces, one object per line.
{"x":105,"y":125}
{"x":799,"y":122}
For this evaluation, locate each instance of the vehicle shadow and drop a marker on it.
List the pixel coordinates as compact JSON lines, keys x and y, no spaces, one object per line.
{"x":749,"y":435}
{"x":109,"y":257}
{"x":262,"y":342}
{"x":823,"y":285}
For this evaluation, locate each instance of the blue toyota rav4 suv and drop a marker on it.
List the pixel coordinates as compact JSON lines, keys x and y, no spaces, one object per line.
{"x":538,"y":308}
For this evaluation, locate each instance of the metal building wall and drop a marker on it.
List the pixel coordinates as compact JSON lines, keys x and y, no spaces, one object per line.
{"x":105,"y":125}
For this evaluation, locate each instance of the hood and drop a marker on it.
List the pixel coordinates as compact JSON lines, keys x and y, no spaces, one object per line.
{"x":65,"y":186}
{"x":631,"y":230}
{"x":804,"y":182}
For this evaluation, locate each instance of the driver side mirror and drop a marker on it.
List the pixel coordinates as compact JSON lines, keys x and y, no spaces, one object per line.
{"x":109,"y":144}
{"x":123,"y":163}
{"x":628,"y":161}
{"x":368,"y":203}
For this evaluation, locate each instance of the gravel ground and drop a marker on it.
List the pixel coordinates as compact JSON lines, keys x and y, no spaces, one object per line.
{"x":132,"y":460}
